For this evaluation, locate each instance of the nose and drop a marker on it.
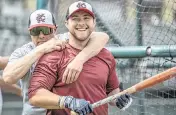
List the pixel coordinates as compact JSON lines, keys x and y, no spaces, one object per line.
{"x":41,"y":35}
{"x":81,"y":22}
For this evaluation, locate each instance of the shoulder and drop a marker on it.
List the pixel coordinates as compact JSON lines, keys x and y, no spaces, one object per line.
{"x":23,"y":50}
{"x":29,"y":45}
{"x":105,"y":53}
{"x":106,"y":56}
{"x":58,"y":56}
{"x":52,"y":57}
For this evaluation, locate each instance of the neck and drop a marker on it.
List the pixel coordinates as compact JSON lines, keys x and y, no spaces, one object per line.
{"x":77,"y":43}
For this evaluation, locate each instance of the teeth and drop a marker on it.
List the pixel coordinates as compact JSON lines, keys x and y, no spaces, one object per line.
{"x":81,"y":29}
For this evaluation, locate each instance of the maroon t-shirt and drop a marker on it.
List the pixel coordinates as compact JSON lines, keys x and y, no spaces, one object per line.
{"x":97,"y":79}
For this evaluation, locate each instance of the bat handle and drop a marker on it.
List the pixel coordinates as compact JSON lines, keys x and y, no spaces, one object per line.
{"x":73,"y":113}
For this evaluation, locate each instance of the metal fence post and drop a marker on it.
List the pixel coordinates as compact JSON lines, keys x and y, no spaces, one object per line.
{"x":42,"y":4}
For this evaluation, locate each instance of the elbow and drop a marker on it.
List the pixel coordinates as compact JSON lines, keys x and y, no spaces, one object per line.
{"x":33,"y":101}
{"x":103,"y":35}
{"x":106,"y":37}
{"x":8,"y":79}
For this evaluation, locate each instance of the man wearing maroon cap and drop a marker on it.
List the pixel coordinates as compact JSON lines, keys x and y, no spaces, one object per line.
{"x":96,"y":81}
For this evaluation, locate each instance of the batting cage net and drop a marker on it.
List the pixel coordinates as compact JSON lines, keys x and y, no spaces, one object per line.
{"x":128,"y":23}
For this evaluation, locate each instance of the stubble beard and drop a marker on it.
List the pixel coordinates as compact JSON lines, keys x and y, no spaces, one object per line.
{"x":77,"y":38}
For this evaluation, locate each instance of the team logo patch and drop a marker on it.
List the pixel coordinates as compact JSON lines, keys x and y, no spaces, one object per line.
{"x":40,"y":18}
{"x":81,"y":5}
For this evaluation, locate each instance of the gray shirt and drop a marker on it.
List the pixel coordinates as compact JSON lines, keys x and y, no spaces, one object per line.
{"x":18,"y":53}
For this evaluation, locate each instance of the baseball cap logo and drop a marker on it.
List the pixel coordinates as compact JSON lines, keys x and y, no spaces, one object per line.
{"x":81,"y":5}
{"x":40,"y":18}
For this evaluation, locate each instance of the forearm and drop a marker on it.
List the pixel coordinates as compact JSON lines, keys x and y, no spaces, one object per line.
{"x":96,"y":43}
{"x":45,"y":99}
{"x":3,"y":62}
{"x":116,"y":91}
{"x":17,"y":69}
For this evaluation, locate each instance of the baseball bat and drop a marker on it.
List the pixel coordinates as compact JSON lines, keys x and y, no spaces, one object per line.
{"x":156,"y":79}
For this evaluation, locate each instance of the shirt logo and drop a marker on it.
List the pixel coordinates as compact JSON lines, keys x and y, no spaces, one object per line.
{"x":40,"y":18}
{"x":81,"y":5}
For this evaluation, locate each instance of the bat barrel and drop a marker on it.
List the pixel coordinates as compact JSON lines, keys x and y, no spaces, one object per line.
{"x":163,"y":76}
{"x":140,"y":86}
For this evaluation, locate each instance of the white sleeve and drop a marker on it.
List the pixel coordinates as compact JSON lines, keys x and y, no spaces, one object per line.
{"x":63,"y":36}
{"x":20,"y":52}
{"x":16,"y":55}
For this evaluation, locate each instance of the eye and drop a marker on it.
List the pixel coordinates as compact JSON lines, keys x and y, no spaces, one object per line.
{"x":75,"y":18}
{"x":87,"y":18}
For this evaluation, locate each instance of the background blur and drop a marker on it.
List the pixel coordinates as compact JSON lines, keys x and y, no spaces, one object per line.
{"x":128,"y":23}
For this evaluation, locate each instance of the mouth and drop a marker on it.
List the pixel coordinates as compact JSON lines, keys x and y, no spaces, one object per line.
{"x":81,"y":29}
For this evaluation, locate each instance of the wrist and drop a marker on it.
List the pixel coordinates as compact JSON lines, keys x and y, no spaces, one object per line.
{"x":39,"y":50}
{"x":79,"y":61}
{"x":82,"y":57}
{"x":61,"y":102}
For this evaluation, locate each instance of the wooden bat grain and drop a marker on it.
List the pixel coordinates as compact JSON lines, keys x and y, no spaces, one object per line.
{"x":156,"y":79}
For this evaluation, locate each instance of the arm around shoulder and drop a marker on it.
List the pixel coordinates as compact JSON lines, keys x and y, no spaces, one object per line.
{"x":97,"y":42}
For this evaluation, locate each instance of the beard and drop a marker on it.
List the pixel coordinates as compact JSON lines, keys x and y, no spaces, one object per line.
{"x":81,"y":36}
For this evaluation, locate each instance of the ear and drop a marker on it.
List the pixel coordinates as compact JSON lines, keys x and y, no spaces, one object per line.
{"x":56,"y":28}
{"x":66,"y":24}
{"x":94,"y":22}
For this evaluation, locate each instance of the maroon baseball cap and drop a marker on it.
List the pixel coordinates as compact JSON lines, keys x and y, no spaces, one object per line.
{"x":80,"y":6}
